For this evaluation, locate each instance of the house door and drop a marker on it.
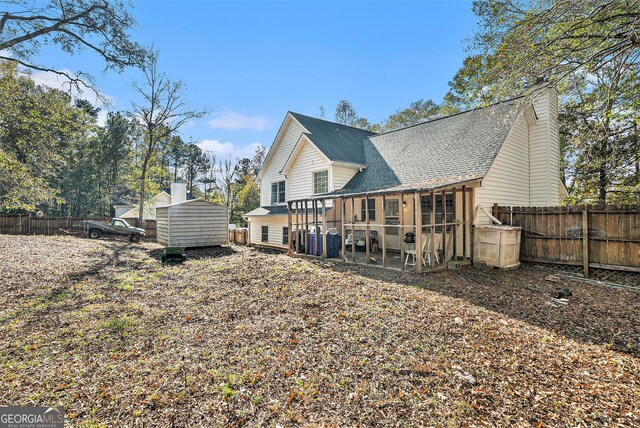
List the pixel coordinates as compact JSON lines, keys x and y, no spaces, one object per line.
{"x":392,"y":216}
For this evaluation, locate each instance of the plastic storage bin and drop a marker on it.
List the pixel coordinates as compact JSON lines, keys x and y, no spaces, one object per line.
{"x":497,"y":246}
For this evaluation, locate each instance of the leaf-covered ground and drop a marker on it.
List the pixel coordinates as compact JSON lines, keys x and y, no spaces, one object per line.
{"x":235,"y":336}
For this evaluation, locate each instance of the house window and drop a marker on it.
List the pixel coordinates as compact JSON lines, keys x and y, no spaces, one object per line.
{"x":265,"y":233}
{"x":372,"y":209}
{"x":320,"y":182}
{"x":278,"y":192}
{"x":285,"y":236}
{"x":427,"y":210}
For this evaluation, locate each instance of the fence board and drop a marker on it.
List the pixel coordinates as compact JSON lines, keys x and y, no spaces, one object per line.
{"x":557,"y":234}
{"x":20,"y":224}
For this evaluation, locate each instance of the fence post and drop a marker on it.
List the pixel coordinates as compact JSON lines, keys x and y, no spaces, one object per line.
{"x":585,"y":241}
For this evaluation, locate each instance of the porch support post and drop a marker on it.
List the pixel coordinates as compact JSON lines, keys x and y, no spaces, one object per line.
{"x":444,"y":227}
{"x":471,"y":228}
{"x":353,"y":229}
{"x":402,"y":243}
{"x":367,"y":239}
{"x":343,"y":205}
{"x":324,"y":228}
{"x":454,"y":228}
{"x":297,"y":229}
{"x":306,"y":226}
{"x":314,"y":207}
{"x":418,"y":206}
{"x":289,"y":244}
{"x":384,"y":233}
{"x":433,"y":248}
{"x":464,"y":223}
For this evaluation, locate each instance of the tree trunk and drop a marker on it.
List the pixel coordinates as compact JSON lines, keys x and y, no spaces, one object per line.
{"x":143,"y":176}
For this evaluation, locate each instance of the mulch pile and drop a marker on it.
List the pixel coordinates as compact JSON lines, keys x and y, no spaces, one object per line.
{"x":236,"y":336}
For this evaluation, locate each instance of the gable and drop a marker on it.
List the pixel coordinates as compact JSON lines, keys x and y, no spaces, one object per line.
{"x":306,"y":146}
{"x":281,"y":148}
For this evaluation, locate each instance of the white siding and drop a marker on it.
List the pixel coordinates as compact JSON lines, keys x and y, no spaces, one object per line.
{"x":162,"y":225}
{"x":341,"y":176}
{"x":282,"y":151}
{"x":544,"y":148}
{"x":193,"y":224}
{"x":308,"y":160}
{"x":275,"y":223}
{"x":507,"y":181}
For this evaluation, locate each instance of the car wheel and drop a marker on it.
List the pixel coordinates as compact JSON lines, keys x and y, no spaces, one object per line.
{"x":164,"y":258}
{"x":134,"y":238}
{"x":95,"y":233}
{"x":184,"y":257}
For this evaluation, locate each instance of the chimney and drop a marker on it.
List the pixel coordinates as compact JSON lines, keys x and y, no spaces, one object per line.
{"x":178,"y":193}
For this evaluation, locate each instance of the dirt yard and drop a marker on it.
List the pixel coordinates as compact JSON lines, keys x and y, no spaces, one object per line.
{"x":235,"y":337}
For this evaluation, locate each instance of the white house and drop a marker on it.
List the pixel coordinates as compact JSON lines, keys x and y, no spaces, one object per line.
{"x":322,"y":172}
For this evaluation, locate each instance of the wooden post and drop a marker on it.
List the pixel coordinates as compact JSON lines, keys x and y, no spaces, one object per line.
{"x":444,"y":227}
{"x":585,"y":241}
{"x":314,"y":207}
{"x":367,"y":239}
{"x":384,"y":232}
{"x":306,"y":227}
{"x":454,"y":228}
{"x":464,"y":223}
{"x":402,"y":243}
{"x":433,"y":248}
{"x":290,"y":245}
{"x":418,"y":210}
{"x":297,"y":229}
{"x":324,"y":228}
{"x":471,"y":228}
{"x":353,"y":230}
{"x":344,"y":230}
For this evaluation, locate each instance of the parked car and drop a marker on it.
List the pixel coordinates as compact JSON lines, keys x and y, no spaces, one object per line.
{"x":118,"y":226}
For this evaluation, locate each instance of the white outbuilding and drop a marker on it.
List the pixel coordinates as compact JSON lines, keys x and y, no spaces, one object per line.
{"x":193,"y":223}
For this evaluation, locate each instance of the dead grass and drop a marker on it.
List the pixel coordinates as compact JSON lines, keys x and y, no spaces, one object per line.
{"x":240,"y":337}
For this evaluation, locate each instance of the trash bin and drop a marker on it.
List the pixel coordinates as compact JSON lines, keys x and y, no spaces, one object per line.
{"x":312,"y":244}
{"x":333,"y":243}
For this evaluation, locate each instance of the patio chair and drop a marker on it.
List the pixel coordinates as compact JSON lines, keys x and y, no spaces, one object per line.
{"x":412,"y":253}
{"x":427,"y":251}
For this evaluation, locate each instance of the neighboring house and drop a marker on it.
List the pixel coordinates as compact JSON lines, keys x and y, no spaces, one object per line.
{"x":161,"y":199}
{"x":506,"y":153}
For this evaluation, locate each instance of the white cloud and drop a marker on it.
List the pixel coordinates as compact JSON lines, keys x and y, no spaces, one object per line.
{"x":224,"y":150}
{"x":56,"y":81}
{"x":235,"y":121}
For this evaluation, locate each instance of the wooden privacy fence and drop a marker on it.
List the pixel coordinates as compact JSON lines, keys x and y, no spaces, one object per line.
{"x":26,"y":225}
{"x":598,"y":237}
{"x":238,"y":236}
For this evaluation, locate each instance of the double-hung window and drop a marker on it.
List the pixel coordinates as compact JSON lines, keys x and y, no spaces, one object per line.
{"x":278,"y":192}
{"x":372,"y":209}
{"x":320,"y":182}
{"x":265,"y":234}
{"x":285,"y":236}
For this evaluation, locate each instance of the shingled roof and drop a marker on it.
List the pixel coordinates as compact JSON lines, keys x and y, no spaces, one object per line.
{"x":443,"y":151}
{"x":337,"y":142}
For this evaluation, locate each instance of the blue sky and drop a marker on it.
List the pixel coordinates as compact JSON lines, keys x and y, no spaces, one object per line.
{"x":251,"y":62}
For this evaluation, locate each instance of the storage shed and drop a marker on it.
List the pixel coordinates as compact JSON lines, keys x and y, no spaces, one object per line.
{"x":195,"y":223}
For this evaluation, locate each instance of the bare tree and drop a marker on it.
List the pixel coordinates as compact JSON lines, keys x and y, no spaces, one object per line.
{"x":99,"y":26}
{"x":162,"y":112}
